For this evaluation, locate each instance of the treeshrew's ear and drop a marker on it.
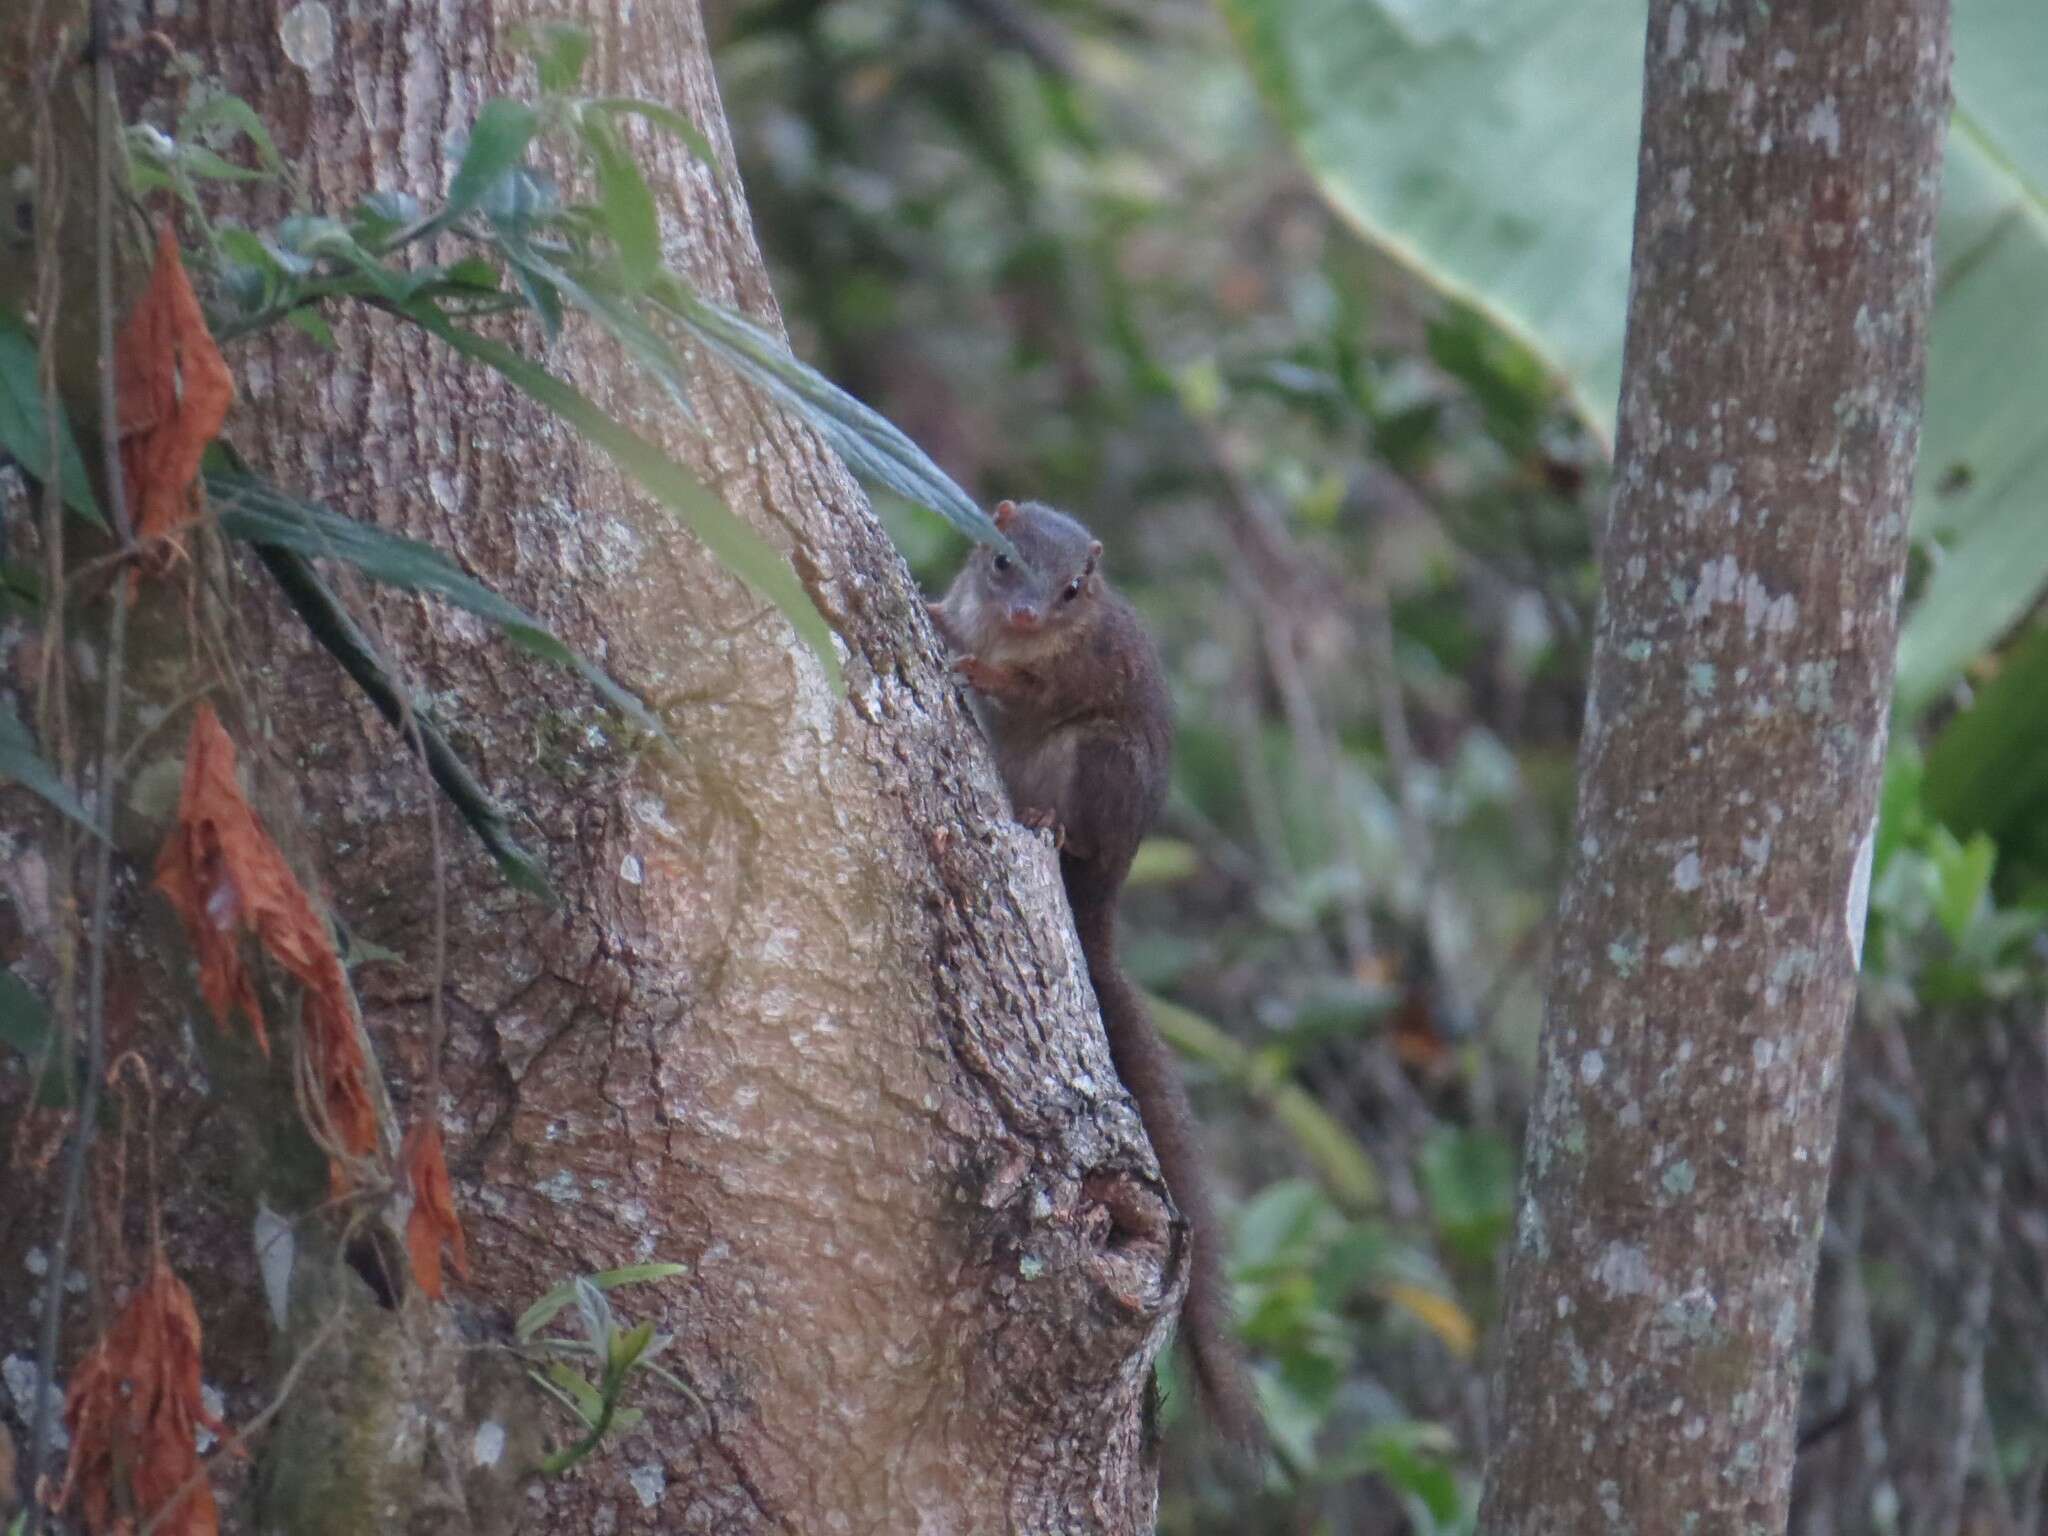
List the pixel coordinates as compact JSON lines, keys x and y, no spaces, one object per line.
{"x":1005,"y":511}
{"x":1094,"y":553}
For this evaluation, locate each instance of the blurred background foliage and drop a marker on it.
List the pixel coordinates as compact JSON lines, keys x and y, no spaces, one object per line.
{"x":1252,"y":293}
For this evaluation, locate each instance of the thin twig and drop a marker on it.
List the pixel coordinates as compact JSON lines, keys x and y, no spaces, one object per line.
{"x":104,"y":112}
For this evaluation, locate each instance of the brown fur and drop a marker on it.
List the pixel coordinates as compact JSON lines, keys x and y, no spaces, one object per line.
{"x":1079,"y":716}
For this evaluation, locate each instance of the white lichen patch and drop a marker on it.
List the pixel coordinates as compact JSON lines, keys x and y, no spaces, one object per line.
{"x":1720,"y":582}
{"x":1823,"y":126}
{"x":1592,"y":1066}
{"x":649,"y":1482}
{"x":306,"y":33}
{"x":560,"y":1187}
{"x":487,"y":1446}
{"x":1624,"y":1270}
{"x":1685,"y":874}
{"x":1760,"y":611}
{"x":18,"y":1373}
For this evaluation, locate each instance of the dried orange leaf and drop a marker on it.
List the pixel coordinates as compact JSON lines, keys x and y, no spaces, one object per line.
{"x":223,"y":874}
{"x":133,"y":1409}
{"x":341,"y":1077}
{"x":174,"y":392}
{"x":433,"y":1222}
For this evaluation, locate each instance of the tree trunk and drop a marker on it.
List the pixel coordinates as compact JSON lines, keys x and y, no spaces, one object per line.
{"x":810,"y":1020}
{"x":1710,"y":927}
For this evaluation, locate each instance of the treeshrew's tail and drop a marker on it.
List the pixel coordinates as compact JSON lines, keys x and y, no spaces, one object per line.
{"x":1148,"y":1070}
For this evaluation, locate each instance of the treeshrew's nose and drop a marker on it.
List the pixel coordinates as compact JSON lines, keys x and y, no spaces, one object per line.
{"x":1023,"y":616}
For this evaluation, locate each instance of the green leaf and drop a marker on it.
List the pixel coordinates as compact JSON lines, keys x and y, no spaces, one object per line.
{"x":871,"y":445}
{"x":1417,"y":1462}
{"x":1491,"y":147}
{"x":310,"y":321}
{"x":381,"y":215}
{"x":1346,"y":1168}
{"x":198,"y":160}
{"x":1902,"y":818}
{"x":741,"y":550}
{"x":25,"y":425}
{"x":1163,"y":861}
{"x":1963,"y":871}
{"x":249,"y":248}
{"x":239,"y":115}
{"x":497,"y":143}
{"x":1280,"y":1221}
{"x":578,"y":1392}
{"x":598,"y":1326}
{"x":1988,"y":769}
{"x":628,"y":205}
{"x":628,"y":1344}
{"x":542,"y":1312}
{"x":473,"y":272}
{"x":559,"y":49}
{"x":1468,"y":1177}
{"x":662,"y":117}
{"x":258,"y":512}
{"x":21,"y":764}
{"x":25,"y":1026}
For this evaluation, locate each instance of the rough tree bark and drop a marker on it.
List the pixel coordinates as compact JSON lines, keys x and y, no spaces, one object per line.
{"x":811,"y":1020}
{"x":1709,"y":931}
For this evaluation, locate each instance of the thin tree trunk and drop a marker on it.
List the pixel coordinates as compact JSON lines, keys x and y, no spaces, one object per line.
{"x":1709,"y":931}
{"x":810,"y":1020}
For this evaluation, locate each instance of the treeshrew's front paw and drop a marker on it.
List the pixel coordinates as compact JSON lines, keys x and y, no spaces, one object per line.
{"x":1045,"y":820}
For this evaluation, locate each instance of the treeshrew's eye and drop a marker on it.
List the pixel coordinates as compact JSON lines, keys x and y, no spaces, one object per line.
{"x":1002,"y":562}
{"x":1073,"y":589}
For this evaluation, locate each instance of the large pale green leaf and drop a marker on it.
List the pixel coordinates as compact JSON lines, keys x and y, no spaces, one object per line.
{"x":1491,"y":146}
{"x":1984,"y":453}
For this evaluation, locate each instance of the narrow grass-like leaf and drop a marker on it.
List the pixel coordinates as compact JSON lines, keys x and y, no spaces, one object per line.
{"x":662,"y":117}
{"x":25,"y":424}
{"x":538,"y":274}
{"x":258,"y":512}
{"x":742,"y":551}
{"x":25,"y":1025}
{"x":496,"y":145}
{"x":579,"y":1393}
{"x":542,"y":1312}
{"x":628,"y":204}
{"x":871,"y":445}
{"x":21,"y":764}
